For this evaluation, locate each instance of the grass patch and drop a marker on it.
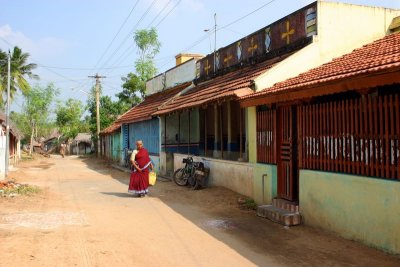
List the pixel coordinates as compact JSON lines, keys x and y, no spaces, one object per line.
{"x":23,"y":189}
{"x":247,"y":204}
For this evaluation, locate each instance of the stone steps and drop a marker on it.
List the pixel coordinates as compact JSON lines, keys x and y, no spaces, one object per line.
{"x":281,"y":211}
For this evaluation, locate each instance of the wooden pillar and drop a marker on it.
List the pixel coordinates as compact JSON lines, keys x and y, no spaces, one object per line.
{"x":241,"y":134}
{"x":229,"y":129}
{"x":216,"y":153}
{"x":189,"y":133}
{"x":179,"y":132}
{"x":165,"y":133}
{"x":205,"y":131}
{"x":221,"y":128}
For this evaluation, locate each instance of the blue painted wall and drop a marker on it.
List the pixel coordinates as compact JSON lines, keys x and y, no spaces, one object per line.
{"x":148,"y":132}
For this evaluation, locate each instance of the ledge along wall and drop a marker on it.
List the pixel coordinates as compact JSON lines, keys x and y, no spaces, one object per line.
{"x":234,"y":175}
{"x":359,"y":208}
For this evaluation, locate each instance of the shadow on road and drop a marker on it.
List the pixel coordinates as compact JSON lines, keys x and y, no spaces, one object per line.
{"x":117,"y":194}
{"x":215,"y":210}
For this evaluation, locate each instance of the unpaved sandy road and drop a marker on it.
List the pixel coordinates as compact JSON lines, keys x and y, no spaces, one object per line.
{"x":83,"y":217}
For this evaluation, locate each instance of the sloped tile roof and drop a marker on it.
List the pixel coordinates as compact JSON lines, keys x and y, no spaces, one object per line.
{"x":376,"y":57}
{"x":150,"y":104}
{"x":112,"y":128}
{"x":233,"y":84}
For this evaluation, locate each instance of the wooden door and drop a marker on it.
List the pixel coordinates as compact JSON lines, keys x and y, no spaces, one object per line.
{"x":287,"y":153}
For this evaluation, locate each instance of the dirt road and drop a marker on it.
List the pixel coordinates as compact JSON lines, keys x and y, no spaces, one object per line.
{"x":84,"y":217}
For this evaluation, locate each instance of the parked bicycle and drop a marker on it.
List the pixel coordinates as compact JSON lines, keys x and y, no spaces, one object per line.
{"x":127,"y":159}
{"x":193,"y":174}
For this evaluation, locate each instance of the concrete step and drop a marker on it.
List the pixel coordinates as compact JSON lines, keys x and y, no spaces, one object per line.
{"x":282,"y":216}
{"x":285,"y":204}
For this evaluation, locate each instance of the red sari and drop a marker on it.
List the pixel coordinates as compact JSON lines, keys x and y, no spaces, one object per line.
{"x":139,"y":181}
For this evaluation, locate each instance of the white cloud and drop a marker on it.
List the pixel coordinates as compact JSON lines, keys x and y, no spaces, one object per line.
{"x":41,"y":49}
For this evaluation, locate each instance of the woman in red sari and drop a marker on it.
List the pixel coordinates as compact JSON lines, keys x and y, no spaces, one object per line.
{"x":139,"y":181}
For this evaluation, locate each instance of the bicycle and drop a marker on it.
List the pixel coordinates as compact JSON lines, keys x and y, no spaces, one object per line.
{"x":127,"y":159}
{"x":194,"y":174}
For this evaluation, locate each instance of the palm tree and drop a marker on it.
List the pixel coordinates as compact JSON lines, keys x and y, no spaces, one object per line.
{"x":20,"y":69}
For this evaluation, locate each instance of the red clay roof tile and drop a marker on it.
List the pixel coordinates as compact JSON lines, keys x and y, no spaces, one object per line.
{"x":110,"y":129}
{"x":233,"y":84}
{"x":380,"y":55}
{"x":150,"y":104}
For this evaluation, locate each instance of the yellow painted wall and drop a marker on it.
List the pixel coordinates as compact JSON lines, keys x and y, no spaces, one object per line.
{"x":341,"y":29}
{"x":251,"y":133}
{"x":355,"y":207}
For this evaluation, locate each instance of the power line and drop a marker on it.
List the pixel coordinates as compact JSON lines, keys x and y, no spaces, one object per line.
{"x":159,"y":13}
{"x":119,"y":30}
{"x":133,"y":29}
{"x":223,"y":27}
{"x":122,"y":56}
{"x":168,"y":13}
{"x":245,"y":16}
{"x":76,"y":68}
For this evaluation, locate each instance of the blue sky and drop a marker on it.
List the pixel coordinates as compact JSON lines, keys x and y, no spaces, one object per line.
{"x":68,"y":38}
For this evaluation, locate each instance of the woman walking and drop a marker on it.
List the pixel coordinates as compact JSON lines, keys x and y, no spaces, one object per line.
{"x":141,"y":163}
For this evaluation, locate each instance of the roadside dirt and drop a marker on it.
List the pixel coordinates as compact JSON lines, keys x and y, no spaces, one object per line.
{"x":84,"y":217}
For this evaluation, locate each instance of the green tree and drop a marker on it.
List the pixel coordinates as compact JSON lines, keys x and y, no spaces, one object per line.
{"x":68,"y":117}
{"x":128,"y":96}
{"x":109,"y":112}
{"x":148,"y":47}
{"x":20,"y":69}
{"x":37,"y":109}
{"x":134,"y":84}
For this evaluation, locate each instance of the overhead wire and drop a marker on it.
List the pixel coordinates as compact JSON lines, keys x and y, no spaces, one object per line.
{"x":119,"y":30}
{"x":132,"y":47}
{"x":129,"y":34}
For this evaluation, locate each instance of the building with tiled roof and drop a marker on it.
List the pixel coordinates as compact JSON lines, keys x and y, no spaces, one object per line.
{"x":333,"y":134}
{"x":207,"y":120}
{"x":140,"y":123}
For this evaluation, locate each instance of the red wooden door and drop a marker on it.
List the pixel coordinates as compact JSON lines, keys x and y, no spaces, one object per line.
{"x":287,"y":154}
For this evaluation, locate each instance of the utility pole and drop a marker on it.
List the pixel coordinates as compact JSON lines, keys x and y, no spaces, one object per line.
{"x":8,"y":114}
{"x":97,"y":77}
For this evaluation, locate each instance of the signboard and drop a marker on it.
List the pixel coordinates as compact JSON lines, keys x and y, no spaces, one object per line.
{"x":284,"y":32}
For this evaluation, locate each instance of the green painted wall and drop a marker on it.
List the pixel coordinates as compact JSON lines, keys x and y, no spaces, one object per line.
{"x":252,"y":133}
{"x":265,"y":183}
{"x":355,"y":207}
{"x":116,"y":146}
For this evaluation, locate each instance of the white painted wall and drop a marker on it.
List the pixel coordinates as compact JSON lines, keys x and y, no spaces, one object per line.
{"x":2,"y":155}
{"x":341,"y":29}
{"x":155,"y":84}
{"x":237,"y":176}
{"x":180,"y":74}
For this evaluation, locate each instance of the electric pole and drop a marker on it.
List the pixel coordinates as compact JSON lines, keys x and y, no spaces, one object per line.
{"x":8,"y":114}
{"x":97,"y":88}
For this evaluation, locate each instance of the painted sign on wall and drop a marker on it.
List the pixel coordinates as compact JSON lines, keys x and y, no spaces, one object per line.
{"x":284,"y":32}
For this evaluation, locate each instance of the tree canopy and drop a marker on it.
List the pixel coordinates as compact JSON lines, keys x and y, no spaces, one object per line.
{"x":69,"y":118}
{"x":134,"y":84}
{"x":20,"y":69}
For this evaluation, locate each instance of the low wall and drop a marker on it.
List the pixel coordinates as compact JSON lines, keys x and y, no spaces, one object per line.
{"x":156,"y":162}
{"x":237,"y":176}
{"x":355,"y":207}
{"x":265,"y":183}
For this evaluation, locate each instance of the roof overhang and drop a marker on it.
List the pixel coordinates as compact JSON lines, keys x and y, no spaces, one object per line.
{"x":358,"y":82}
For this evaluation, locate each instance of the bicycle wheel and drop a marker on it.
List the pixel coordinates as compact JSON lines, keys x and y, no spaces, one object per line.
{"x":180,"y":177}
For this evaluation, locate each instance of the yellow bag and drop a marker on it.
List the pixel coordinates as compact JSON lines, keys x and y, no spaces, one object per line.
{"x":152,"y":178}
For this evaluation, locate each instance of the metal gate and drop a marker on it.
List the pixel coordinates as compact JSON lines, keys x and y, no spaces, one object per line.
{"x":287,"y":154}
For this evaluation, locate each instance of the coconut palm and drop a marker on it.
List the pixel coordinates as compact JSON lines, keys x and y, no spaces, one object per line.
{"x":20,"y":69}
